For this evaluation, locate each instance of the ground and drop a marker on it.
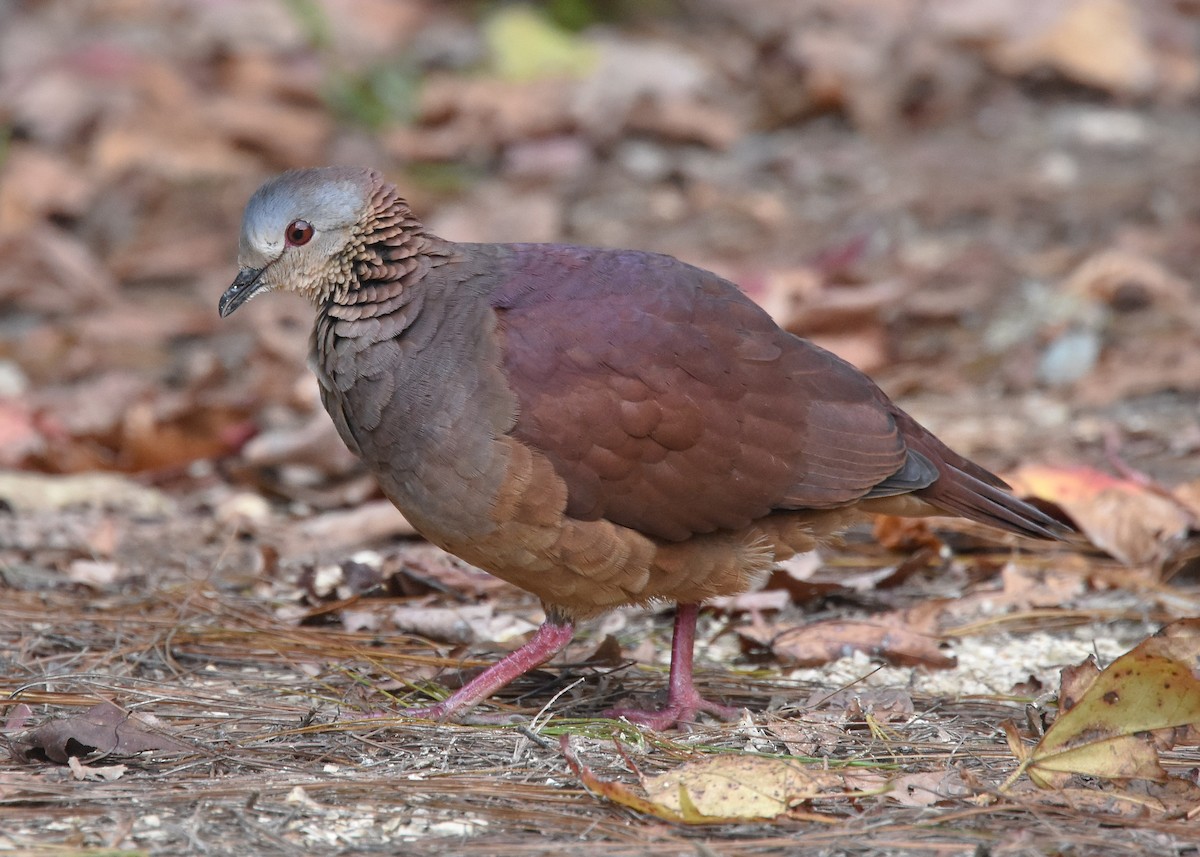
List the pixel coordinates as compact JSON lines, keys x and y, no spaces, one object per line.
{"x":991,"y":207}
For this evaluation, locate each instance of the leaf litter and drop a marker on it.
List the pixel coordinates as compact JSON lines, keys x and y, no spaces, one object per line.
{"x":1113,"y":723}
{"x":813,"y":154}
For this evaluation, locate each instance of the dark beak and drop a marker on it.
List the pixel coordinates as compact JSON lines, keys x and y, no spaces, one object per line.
{"x":244,"y":287}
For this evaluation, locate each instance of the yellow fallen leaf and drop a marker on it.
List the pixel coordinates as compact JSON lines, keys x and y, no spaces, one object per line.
{"x":735,"y":786}
{"x":624,"y":795}
{"x":1107,"y":731}
{"x":727,"y":788}
{"x":1110,"y":756}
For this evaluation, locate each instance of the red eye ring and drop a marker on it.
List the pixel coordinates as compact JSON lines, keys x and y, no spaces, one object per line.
{"x":298,"y":233}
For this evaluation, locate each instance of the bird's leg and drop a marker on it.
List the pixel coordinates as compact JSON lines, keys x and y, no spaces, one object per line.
{"x":550,"y":639}
{"x":683,"y":700}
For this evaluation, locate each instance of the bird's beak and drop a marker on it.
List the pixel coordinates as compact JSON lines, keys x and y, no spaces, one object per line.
{"x":247,"y":284}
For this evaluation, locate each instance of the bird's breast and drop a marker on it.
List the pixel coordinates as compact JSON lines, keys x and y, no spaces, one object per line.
{"x":424,"y":405}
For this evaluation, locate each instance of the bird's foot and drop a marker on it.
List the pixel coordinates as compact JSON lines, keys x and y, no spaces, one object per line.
{"x":677,"y":712}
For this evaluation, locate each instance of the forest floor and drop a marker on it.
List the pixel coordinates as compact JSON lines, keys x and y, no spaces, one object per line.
{"x":993,"y":208}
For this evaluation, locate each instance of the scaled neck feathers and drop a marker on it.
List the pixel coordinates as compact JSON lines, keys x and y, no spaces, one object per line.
{"x":390,"y":253}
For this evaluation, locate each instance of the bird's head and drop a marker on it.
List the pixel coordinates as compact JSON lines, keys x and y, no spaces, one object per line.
{"x":300,"y":232}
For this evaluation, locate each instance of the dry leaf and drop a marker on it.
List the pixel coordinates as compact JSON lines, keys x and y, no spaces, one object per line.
{"x":20,"y":436}
{"x":37,"y":492}
{"x":821,"y":642}
{"x":1095,"y":42}
{"x":795,"y":576}
{"x":1123,"y":279}
{"x":614,"y":791}
{"x":1027,"y":586}
{"x":883,"y":704}
{"x":720,"y":789}
{"x":802,"y":738}
{"x":1074,"y":682}
{"x":460,"y":625}
{"x":752,"y":602}
{"x":93,"y":573}
{"x":104,"y":773}
{"x":737,"y":786}
{"x":927,"y":788}
{"x":334,"y":533}
{"x":905,"y":534}
{"x":1106,"y":732}
{"x":1131,"y":522}
{"x":104,"y":729}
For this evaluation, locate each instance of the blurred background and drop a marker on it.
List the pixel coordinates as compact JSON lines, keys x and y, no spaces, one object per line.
{"x":991,"y":206}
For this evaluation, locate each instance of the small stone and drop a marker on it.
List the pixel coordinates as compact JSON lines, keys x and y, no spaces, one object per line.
{"x":1070,"y":357}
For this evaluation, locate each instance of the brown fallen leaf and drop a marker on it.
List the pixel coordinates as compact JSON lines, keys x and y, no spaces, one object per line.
{"x":927,"y":788}
{"x":1105,"y":726}
{"x":313,"y":442}
{"x":1100,"y":43}
{"x":37,"y":183}
{"x":102,"y":730}
{"x":617,"y":792}
{"x":821,"y":642}
{"x":884,"y":704}
{"x":1074,"y":681}
{"x":752,"y":602}
{"x":1124,"y":279}
{"x":1026,"y":586}
{"x":907,"y":535}
{"x":333,"y":533}
{"x":468,"y":623}
{"x":1129,"y":521}
{"x":46,"y":270}
{"x":795,"y":576}
{"x":801,"y":737}
{"x":20,"y":436}
{"x":93,"y":573}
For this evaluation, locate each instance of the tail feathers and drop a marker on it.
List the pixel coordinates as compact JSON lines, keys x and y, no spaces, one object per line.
{"x":966,"y":489}
{"x":963,"y":494}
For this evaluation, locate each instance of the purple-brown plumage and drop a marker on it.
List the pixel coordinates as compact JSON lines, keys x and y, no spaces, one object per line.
{"x":600,"y":427}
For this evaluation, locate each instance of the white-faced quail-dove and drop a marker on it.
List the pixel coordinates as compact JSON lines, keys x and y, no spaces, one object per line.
{"x":598,"y":427}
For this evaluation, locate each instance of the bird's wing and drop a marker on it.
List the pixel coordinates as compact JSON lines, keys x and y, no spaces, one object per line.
{"x":671,"y":403}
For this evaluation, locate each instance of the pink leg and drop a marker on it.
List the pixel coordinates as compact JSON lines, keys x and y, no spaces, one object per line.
{"x":683,"y":700}
{"x":550,"y":639}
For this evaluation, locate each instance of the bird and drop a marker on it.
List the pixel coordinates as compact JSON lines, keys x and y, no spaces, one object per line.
{"x":599,"y":427}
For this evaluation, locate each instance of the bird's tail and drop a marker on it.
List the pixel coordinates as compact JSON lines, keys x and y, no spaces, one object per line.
{"x":966,"y":489}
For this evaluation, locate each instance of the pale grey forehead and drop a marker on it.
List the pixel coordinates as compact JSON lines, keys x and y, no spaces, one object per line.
{"x":328,"y":198}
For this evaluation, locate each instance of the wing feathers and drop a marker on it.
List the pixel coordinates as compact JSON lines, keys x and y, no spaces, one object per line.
{"x":669,"y":402}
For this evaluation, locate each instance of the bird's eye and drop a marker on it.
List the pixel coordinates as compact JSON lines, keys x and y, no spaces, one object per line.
{"x":298,"y":233}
